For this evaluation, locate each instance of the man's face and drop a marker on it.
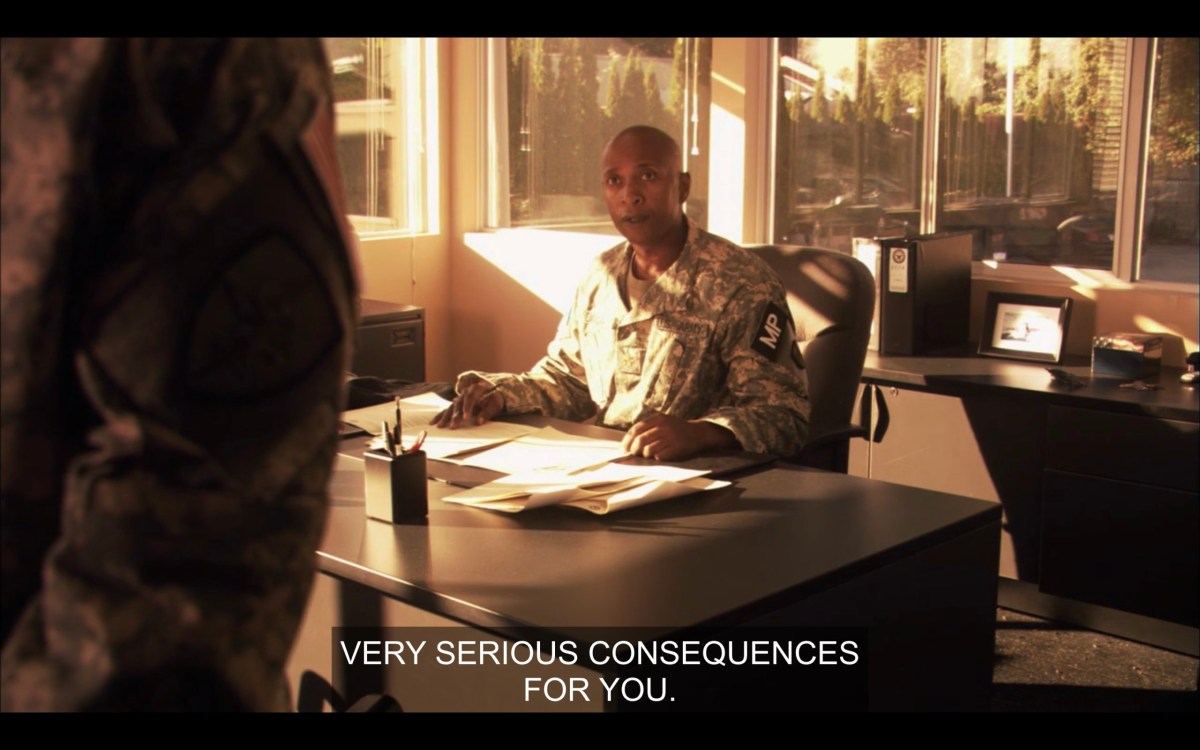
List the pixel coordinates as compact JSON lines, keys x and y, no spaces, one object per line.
{"x":644,"y":189}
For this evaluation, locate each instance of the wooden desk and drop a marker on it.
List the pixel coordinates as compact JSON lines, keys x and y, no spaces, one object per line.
{"x":1099,"y":484}
{"x":783,"y":546}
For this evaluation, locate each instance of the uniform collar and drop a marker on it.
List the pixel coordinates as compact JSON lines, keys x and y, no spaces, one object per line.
{"x":672,"y":290}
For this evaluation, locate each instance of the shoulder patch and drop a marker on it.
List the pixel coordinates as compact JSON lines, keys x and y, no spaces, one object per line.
{"x":773,"y":336}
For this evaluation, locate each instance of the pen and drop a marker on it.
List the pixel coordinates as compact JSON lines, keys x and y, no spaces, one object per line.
{"x":420,"y":441}
{"x":396,"y":437}
{"x":388,"y":442}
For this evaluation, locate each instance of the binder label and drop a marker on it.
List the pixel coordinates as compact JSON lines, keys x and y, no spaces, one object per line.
{"x":898,"y":270}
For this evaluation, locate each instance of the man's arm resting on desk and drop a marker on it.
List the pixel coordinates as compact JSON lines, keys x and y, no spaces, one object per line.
{"x":556,"y":386}
{"x":666,"y":438}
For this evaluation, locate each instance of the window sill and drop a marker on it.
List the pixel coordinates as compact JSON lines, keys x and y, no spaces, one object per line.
{"x":1072,"y":277}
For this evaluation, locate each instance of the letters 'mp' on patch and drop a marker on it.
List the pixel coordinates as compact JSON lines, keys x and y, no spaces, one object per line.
{"x":773,"y":338}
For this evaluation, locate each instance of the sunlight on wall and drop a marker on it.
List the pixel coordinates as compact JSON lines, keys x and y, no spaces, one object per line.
{"x":1092,"y":278}
{"x":548,"y":264}
{"x":1149,"y":325}
{"x":727,"y":181}
{"x":1084,"y":285}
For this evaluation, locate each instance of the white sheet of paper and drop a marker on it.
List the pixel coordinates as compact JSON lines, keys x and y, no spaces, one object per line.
{"x":645,"y":494}
{"x":546,"y":449}
{"x":415,"y":414}
{"x":537,"y":489}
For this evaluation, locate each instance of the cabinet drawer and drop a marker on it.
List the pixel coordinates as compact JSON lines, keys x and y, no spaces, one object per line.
{"x":391,"y":350}
{"x":1121,"y":545}
{"x":1157,"y":452}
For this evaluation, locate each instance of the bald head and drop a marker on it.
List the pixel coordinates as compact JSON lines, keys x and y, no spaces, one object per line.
{"x":649,"y":140}
{"x":645,"y":188}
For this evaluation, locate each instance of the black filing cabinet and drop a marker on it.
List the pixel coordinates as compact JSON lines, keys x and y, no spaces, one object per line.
{"x":390,"y":341}
{"x":1120,"y":513}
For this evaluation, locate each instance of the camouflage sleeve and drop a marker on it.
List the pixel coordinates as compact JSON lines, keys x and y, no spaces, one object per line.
{"x":213,"y":302}
{"x":767,"y":408}
{"x":557,"y":385}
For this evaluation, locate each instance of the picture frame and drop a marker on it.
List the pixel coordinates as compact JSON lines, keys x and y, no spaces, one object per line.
{"x":1025,"y":326}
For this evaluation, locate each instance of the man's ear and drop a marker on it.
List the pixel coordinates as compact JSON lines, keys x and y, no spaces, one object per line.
{"x":685,"y":187}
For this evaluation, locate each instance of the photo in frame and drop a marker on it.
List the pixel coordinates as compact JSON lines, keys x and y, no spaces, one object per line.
{"x":1025,"y":326}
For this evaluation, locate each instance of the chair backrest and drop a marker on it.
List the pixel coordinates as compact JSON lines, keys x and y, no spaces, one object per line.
{"x":832,"y":299}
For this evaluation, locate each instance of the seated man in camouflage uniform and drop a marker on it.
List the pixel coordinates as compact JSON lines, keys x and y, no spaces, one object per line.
{"x":677,"y":336}
{"x":177,"y":305}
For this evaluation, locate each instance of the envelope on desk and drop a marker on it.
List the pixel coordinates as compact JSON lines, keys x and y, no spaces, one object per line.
{"x":602,"y":490}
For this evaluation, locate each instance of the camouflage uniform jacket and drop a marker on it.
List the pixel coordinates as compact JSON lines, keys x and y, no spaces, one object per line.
{"x":711,"y":339}
{"x":178,"y":296}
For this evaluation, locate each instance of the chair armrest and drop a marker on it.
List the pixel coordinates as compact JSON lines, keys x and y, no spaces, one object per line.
{"x":847,"y":432}
{"x":830,"y":449}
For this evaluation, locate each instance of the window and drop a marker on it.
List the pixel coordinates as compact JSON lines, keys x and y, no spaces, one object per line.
{"x":1032,"y":144}
{"x":555,"y":102}
{"x":1170,"y":245}
{"x":849,"y":139}
{"x":384,"y":104}
{"x":1030,"y":134}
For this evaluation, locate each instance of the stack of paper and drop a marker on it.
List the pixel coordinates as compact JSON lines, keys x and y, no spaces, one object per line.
{"x":545,"y":467}
{"x":600,"y":490}
{"x":416,"y":413}
{"x":546,"y":449}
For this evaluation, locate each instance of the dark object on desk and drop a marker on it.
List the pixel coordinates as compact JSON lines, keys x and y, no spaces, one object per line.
{"x":1062,"y":377}
{"x":1191,"y":376}
{"x":925,"y":293}
{"x":1025,"y":326}
{"x":832,"y":300}
{"x":396,"y":487}
{"x":390,"y":341}
{"x":1127,"y":355}
{"x":369,"y":390}
{"x":1141,"y":385}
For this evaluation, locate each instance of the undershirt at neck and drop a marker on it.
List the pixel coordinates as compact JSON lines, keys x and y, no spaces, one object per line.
{"x":635,"y":288}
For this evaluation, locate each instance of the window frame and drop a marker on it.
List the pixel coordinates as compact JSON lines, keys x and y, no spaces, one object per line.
{"x":410,"y":117}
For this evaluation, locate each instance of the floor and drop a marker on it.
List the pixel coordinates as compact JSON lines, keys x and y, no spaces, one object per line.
{"x":1045,"y":667}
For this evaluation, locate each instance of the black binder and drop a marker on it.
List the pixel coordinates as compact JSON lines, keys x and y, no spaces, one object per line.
{"x":925,"y":293}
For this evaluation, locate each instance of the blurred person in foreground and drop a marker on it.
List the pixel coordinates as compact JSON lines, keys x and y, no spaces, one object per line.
{"x":177,"y":300}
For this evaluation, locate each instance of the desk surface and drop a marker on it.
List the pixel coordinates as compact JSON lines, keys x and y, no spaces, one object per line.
{"x":717,"y":558}
{"x":973,"y":375}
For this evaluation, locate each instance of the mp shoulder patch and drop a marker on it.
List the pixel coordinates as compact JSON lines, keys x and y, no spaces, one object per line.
{"x":774,"y":337}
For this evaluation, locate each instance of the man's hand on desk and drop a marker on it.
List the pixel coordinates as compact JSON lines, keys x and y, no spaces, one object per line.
{"x":665,"y":438}
{"x":478,"y":401}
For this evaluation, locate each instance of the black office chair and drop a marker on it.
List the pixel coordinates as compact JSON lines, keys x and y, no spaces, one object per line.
{"x":832,"y":299}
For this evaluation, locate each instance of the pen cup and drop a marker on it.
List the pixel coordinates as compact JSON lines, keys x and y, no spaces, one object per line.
{"x":396,"y":487}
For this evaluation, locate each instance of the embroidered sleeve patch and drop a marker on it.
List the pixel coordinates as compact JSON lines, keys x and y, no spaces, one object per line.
{"x":774,"y":337}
